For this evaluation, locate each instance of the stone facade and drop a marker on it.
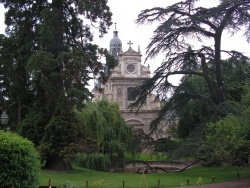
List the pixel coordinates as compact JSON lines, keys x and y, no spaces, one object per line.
{"x":129,"y":74}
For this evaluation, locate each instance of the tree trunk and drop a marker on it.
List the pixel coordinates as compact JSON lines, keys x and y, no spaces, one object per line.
{"x":19,"y":111}
{"x":219,"y":78}
{"x":209,"y":163}
{"x":211,"y":84}
{"x":57,"y":163}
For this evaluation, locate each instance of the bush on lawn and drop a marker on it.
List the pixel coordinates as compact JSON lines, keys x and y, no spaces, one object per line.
{"x":20,"y":162}
{"x":94,"y":161}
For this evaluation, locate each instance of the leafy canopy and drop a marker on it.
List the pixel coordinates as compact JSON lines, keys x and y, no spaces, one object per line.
{"x":182,"y":21}
{"x":48,"y":57}
{"x":104,"y":120}
{"x":179,"y":23}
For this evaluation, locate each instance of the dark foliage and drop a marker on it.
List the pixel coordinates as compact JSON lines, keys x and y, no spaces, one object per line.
{"x":47,"y":58}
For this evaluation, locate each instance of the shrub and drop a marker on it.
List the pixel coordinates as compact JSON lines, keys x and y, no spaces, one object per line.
{"x":165,"y":145}
{"x":228,"y":140}
{"x":20,"y":163}
{"x":94,"y":161}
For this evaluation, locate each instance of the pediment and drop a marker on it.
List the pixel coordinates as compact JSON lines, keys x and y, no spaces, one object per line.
{"x":130,"y":52}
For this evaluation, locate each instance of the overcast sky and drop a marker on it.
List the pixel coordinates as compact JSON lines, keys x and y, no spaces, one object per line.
{"x":125,"y":13}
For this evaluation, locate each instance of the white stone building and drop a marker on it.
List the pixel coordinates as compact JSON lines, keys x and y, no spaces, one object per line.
{"x":129,"y":74}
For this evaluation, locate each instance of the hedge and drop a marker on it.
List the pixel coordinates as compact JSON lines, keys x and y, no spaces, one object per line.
{"x":20,"y":163}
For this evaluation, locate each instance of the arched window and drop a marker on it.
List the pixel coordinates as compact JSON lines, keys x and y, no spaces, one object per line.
{"x":131,"y":94}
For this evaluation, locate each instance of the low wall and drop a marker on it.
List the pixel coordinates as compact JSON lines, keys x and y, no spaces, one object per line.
{"x":158,"y":166}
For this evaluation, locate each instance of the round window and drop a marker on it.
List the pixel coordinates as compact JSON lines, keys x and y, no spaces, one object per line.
{"x":130,"y":68}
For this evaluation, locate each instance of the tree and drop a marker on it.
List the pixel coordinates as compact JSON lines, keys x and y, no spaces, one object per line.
{"x":228,"y":140}
{"x":193,"y":101}
{"x":195,"y":110}
{"x":236,"y":75}
{"x":182,"y":21}
{"x":49,"y":58}
{"x":104,"y":121}
{"x":179,"y":23}
{"x":194,"y":105}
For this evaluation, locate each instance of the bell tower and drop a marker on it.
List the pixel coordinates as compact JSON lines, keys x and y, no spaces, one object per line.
{"x":115,"y":44}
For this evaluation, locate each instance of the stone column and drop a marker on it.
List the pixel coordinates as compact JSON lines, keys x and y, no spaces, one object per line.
{"x":124,"y":96}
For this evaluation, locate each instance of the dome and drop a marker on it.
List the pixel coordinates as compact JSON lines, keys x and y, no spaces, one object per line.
{"x":115,"y":39}
{"x":115,"y":45}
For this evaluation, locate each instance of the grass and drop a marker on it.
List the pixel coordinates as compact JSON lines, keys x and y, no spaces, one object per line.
{"x":79,"y":177}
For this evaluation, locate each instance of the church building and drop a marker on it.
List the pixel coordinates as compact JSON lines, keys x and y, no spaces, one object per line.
{"x":128,"y":74}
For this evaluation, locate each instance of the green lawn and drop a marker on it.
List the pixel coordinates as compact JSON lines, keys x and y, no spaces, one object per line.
{"x":79,"y":177}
